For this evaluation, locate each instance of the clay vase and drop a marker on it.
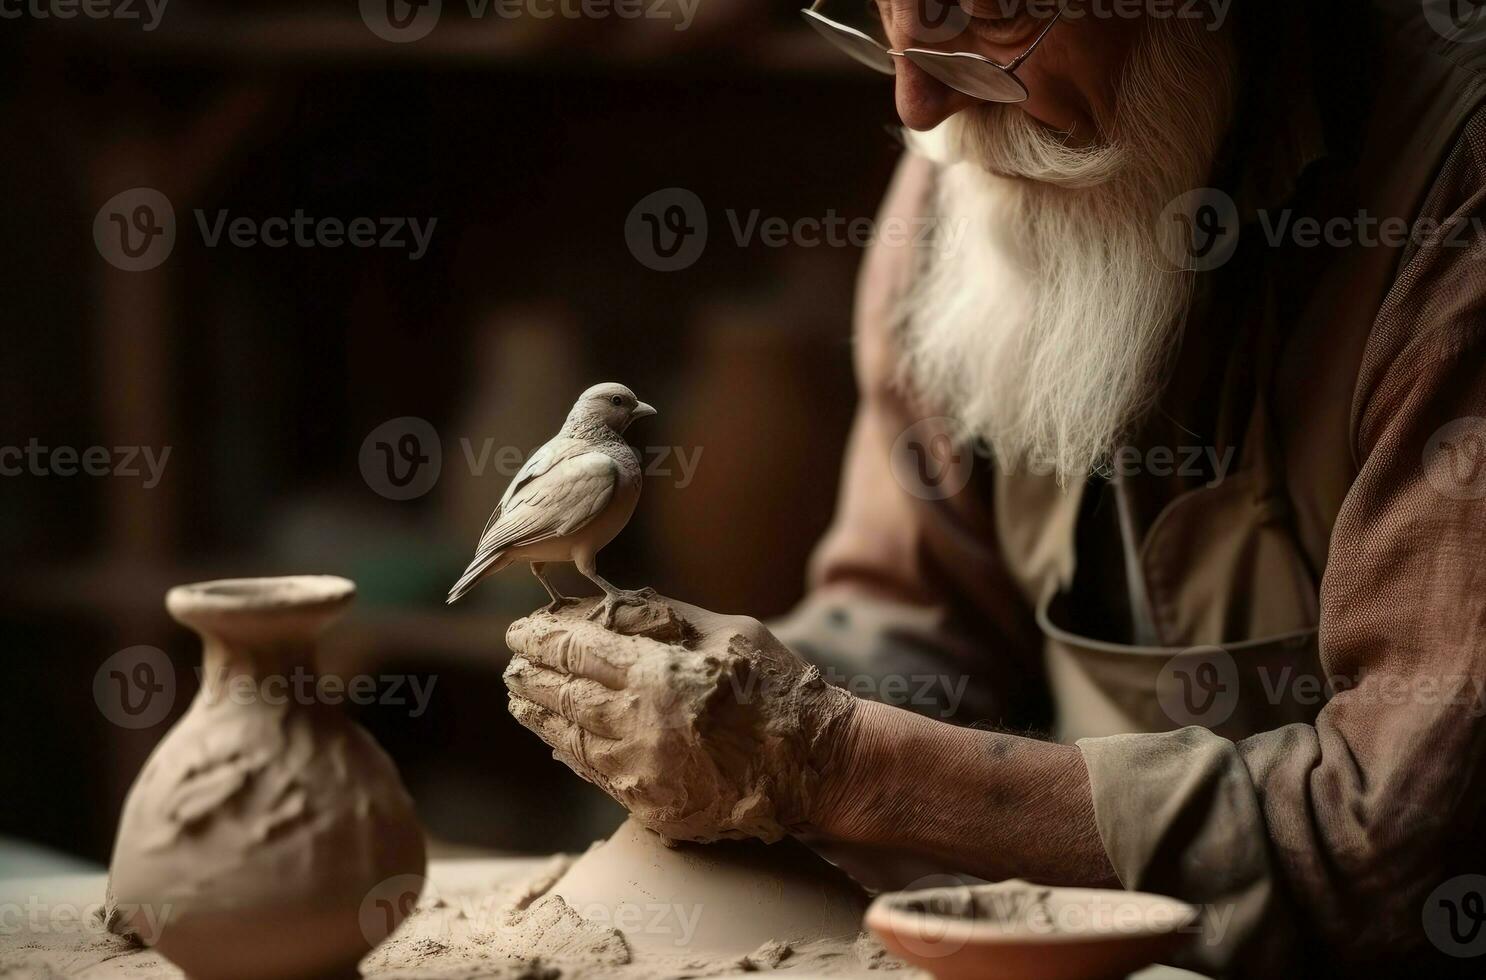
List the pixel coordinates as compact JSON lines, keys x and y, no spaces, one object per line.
{"x":265,"y":824}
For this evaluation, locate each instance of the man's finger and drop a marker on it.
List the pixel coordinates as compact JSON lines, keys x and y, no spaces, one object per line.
{"x":583,"y":649}
{"x":580,"y":700}
{"x":581,"y":750}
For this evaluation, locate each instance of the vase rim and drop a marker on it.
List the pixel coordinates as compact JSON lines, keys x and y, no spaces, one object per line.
{"x":260,"y":595}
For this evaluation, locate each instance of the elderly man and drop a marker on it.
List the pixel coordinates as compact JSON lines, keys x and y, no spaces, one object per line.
{"x":1178,"y":453}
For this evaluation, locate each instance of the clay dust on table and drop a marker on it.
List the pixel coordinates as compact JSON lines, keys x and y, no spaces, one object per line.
{"x":523,"y":931}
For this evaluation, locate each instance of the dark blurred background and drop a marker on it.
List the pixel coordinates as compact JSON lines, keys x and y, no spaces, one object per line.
{"x":267,"y":371}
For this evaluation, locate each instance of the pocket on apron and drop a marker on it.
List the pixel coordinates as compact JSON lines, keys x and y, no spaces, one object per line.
{"x":1233,"y":689}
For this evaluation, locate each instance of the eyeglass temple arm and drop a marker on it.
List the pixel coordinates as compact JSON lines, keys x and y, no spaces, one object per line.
{"x":1017,"y":62}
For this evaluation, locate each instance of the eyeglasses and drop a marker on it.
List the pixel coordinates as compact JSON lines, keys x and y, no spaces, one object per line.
{"x":975,"y":75}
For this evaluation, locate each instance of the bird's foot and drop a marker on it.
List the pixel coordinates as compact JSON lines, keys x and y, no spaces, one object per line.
{"x":560,"y":602}
{"x":612,"y":601}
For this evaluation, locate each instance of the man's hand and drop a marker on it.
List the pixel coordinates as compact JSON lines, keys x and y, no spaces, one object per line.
{"x":705,"y":727}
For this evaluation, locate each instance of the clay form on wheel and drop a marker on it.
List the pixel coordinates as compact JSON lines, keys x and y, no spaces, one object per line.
{"x":713,"y":900}
{"x":262,"y":825}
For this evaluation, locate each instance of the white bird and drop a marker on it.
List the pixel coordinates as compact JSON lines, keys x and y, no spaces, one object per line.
{"x":570,"y":499}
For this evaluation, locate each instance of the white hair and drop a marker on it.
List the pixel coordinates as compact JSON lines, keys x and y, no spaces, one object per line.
{"x":1046,"y":327}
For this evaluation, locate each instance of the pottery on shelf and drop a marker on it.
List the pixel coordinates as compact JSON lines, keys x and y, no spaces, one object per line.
{"x":266,"y":823}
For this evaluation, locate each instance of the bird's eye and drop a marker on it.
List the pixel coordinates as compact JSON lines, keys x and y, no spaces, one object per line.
{"x":617,"y":400}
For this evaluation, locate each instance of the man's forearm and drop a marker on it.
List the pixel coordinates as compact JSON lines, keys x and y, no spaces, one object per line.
{"x":988,"y":803}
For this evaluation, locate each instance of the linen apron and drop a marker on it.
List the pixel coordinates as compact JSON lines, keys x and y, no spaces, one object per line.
{"x":1220,"y":566}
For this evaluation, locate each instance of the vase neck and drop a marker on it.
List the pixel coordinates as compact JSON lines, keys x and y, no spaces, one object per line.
{"x":258,"y":630}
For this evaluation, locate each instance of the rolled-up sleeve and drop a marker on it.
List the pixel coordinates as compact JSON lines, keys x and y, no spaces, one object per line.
{"x":1328,"y":846}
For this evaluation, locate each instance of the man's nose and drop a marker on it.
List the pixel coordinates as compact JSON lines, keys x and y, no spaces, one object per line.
{"x":923,"y":101}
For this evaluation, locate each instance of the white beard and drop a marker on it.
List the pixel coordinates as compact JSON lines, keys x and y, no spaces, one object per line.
{"x":1045,"y":322}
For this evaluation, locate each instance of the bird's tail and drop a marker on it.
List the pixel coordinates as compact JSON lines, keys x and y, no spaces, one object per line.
{"x":478,"y":569}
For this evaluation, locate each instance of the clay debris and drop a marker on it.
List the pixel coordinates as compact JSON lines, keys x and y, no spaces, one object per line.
{"x":521,"y":933}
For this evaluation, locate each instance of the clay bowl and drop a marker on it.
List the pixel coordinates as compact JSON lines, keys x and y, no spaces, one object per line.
{"x":1015,"y":930}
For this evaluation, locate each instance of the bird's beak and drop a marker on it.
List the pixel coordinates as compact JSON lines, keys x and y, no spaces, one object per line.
{"x":641,"y":410}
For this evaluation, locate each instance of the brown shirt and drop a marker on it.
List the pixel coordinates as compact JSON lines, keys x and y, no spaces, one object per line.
{"x":1322,"y":827}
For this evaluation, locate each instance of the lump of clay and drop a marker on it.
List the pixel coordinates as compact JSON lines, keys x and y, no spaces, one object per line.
{"x":728,"y":899}
{"x":267,"y":835}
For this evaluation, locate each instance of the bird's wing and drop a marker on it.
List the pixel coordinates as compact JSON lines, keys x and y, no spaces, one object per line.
{"x":552,"y":452}
{"x":566,"y":495}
